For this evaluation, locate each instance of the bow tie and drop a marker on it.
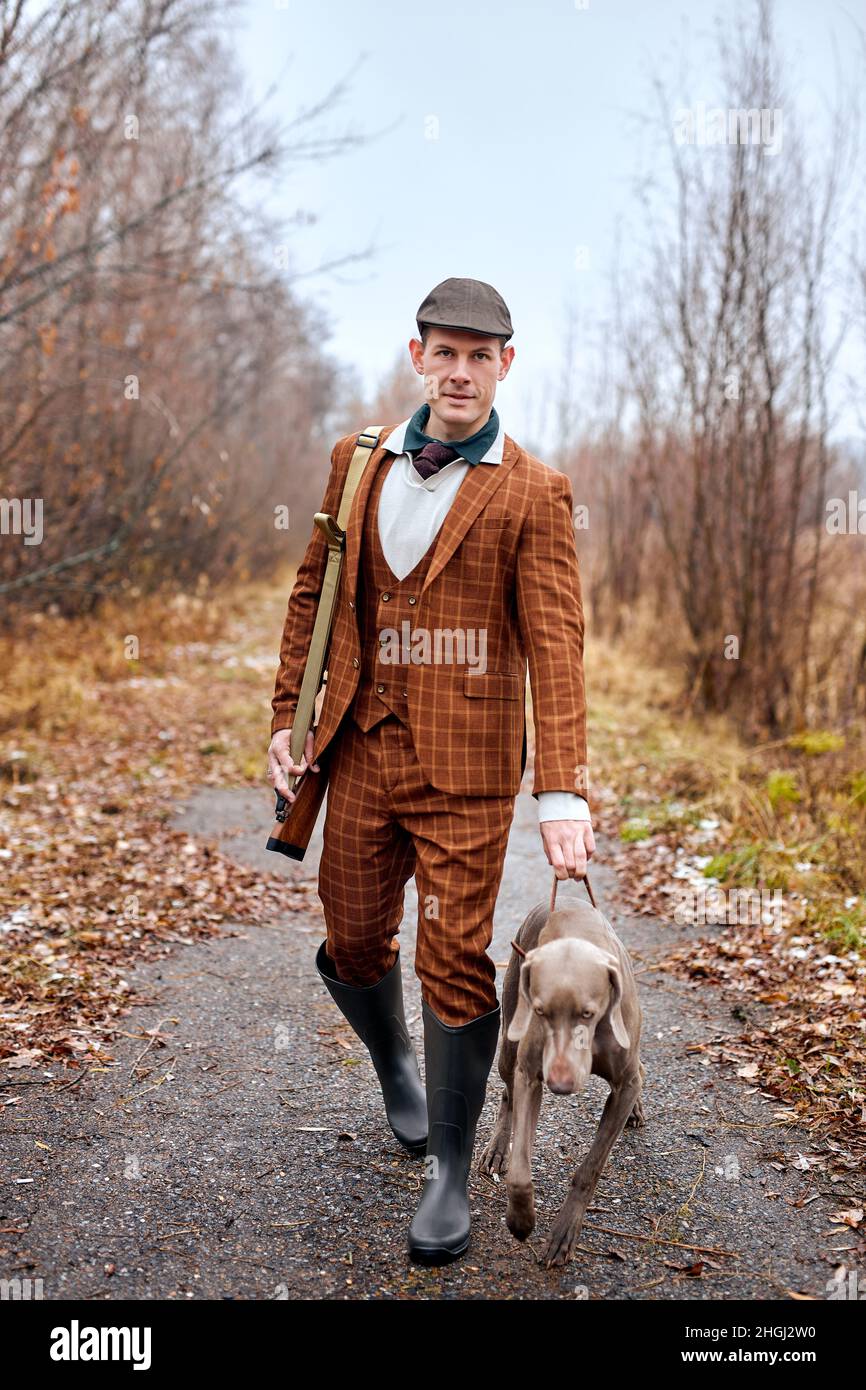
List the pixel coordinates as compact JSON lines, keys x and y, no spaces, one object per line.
{"x":432,"y":457}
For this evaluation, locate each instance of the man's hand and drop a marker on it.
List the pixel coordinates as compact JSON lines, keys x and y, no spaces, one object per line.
{"x":568,"y":844}
{"x":280,"y":764}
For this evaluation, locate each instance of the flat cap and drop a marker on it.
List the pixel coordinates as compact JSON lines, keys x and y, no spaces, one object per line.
{"x":468,"y":304}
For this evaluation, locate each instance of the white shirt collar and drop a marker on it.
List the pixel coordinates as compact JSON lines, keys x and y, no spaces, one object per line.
{"x":394,"y":443}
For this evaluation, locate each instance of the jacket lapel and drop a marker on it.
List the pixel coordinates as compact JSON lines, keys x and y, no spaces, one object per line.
{"x":476,"y":490}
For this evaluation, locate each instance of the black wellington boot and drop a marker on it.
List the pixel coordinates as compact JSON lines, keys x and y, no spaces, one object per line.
{"x":376,"y":1014}
{"x":458,"y":1062}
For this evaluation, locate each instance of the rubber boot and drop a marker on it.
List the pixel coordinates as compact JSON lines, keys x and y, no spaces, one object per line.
{"x":458,"y":1062}
{"x":376,"y":1014}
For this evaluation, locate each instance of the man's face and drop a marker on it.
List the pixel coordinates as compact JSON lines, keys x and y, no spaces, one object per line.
{"x":460,"y":372}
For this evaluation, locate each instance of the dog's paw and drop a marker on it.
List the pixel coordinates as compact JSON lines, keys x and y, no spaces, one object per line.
{"x":494,"y":1159}
{"x":520,"y":1217}
{"x":637,"y":1116}
{"x":561,"y":1241}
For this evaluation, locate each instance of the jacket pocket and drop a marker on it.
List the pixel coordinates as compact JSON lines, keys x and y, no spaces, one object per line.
{"x":492,"y":685}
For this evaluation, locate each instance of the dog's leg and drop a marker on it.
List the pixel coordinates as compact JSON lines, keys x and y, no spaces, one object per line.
{"x":520,"y":1216}
{"x":569,"y":1220}
{"x":637,"y":1116}
{"x":495,"y":1157}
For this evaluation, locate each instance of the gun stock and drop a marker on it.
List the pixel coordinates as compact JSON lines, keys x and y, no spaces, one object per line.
{"x":292,"y":835}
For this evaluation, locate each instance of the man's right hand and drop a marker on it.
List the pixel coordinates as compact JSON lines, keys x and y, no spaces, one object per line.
{"x":280,"y":764}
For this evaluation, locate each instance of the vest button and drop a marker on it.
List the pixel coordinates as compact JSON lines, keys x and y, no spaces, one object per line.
{"x":411,"y":598}
{"x":351,"y":605}
{"x":355,"y":661}
{"x":405,"y":692}
{"x":380,"y":689}
{"x":385,"y":598}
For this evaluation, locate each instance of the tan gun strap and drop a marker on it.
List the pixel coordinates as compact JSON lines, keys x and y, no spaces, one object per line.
{"x":335,"y":535}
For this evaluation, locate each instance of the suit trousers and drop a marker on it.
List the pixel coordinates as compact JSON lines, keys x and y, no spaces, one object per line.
{"x":384,"y":822}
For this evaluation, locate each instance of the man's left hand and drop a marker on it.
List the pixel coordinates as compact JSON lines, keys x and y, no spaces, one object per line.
{"x":568,"y":844}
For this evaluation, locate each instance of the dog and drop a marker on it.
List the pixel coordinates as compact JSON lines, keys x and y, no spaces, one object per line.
{"x":569,"y":1008}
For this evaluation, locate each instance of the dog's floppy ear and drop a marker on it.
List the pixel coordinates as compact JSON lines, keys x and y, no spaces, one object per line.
{"x":614,"y":1012}
{"x":523,"y":1013}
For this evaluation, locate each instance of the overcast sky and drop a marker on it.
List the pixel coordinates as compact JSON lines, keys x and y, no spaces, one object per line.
{"x":513,"y":136}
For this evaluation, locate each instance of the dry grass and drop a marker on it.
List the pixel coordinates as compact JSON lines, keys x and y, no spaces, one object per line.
{"x":98,"y":746}
{"x":782,"y":804}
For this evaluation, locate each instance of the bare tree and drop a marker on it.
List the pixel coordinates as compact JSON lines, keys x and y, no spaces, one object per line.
{"x":728,"y":362}
{"x":163,"y":383}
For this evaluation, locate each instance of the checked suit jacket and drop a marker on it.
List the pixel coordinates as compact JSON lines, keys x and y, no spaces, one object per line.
{"x":505,"y":560}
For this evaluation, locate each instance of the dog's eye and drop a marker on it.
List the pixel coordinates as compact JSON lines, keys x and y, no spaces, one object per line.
{"x":539,"y":1010}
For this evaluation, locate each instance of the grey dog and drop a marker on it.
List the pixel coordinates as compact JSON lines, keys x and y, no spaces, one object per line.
{"x":569,"y":1008}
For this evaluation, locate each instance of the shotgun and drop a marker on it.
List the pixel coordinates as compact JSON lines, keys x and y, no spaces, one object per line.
{"x":296,"y":819}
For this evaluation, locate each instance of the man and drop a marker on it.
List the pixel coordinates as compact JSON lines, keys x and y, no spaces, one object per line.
{"x":456,"y":535}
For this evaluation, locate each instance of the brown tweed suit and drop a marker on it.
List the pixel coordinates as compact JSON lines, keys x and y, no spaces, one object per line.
{"x":424,"y":771}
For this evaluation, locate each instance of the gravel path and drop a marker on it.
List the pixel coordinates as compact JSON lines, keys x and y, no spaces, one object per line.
{"x":253,"y":1159}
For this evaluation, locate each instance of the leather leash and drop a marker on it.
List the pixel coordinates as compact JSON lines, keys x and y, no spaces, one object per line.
{"x":586,"y":885}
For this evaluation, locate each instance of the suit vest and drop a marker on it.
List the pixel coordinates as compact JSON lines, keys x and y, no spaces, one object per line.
{"x":383,"y":601}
